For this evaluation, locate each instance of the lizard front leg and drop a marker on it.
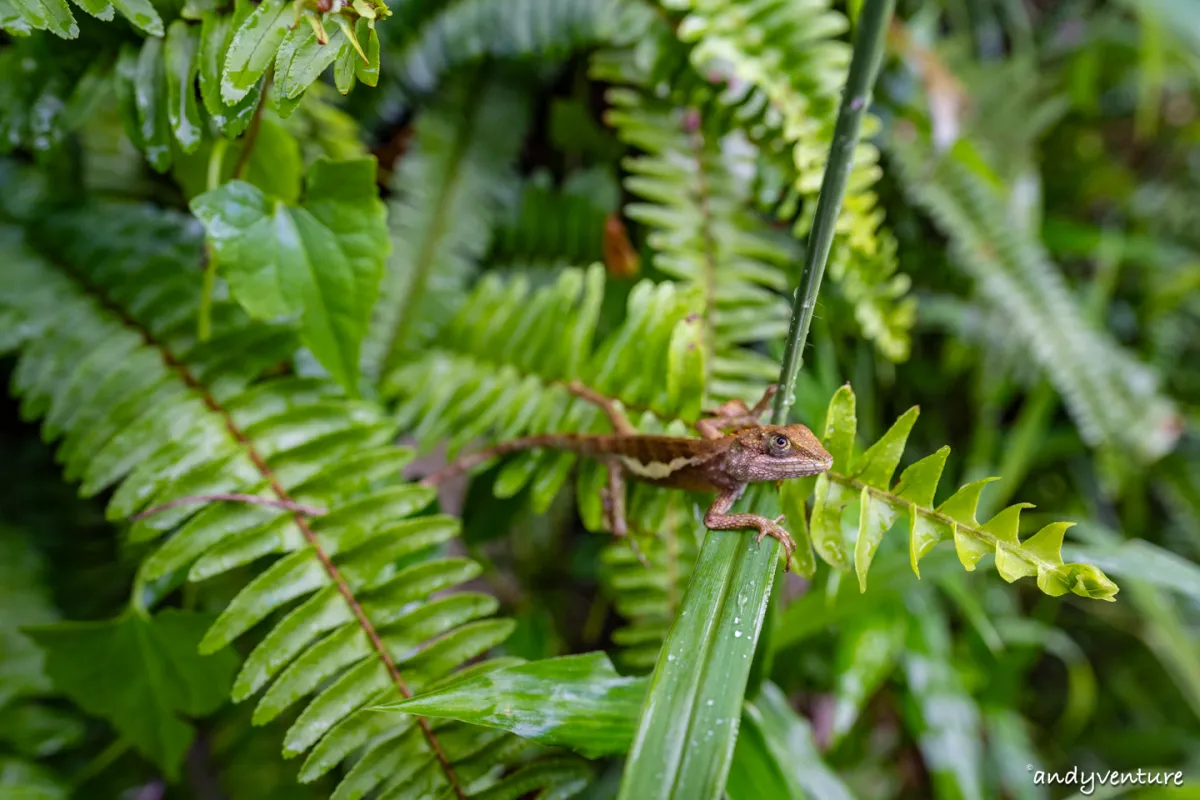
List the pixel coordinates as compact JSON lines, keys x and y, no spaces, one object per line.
{"x":734,"y":414}
{"x":614,"y":504}
{"x":620,"y":422}
{"x":718,"y":519}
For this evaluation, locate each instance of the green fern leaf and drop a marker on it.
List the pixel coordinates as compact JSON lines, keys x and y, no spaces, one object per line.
{"x":551,"y":225}
{"x":701,"y":237}
{"x":448,"y":190}
{"x":867,"y":481}
{"x":779,"y":70}
{"x":344,"y":604}
{"x":470,"y":30}
{"x":1114,"y":400}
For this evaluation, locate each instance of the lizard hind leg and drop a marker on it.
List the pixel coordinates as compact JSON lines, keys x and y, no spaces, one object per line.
{"x":734,"y":414}
{"x":614,"y":496}
{"x":620,"y":422}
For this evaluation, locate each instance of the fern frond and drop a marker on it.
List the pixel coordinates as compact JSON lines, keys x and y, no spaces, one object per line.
{"x":39,"y":107}
{"x":109,"y":359}
{"x":470,"y":30}
{"x":557,"y":225}
{"x":865,"y":481}
{"x":701,"y":236}
{"x":500,"y":366}
{"x":448,"y":191}
{"x":781,"y":72}
{"x":1113,"y":398}
{"x":498,"y":371}
{"x":649,"y":598}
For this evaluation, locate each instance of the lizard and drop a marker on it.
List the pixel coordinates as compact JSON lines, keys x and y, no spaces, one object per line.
{"x":733,"y":451}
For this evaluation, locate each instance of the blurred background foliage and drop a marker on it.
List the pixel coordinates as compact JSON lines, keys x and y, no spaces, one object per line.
{"x":1020,"y":258}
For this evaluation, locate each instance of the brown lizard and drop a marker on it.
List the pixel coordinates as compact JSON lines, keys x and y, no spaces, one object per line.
{"x":720,"y":462}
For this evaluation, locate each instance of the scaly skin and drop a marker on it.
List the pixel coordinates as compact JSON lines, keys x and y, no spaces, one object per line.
{"x":724,"y":463}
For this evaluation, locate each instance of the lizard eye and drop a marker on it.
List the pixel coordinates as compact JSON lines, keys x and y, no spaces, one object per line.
{"x":780,"y":442}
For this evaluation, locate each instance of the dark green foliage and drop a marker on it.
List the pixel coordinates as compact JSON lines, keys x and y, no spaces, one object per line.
{"x":356,"y":572}
{"x":237,"y":283}
{"x":140,"y":674}
{"x":447,"y":193}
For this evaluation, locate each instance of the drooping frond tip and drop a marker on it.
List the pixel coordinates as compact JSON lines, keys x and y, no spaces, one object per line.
{"x":867,"y":479}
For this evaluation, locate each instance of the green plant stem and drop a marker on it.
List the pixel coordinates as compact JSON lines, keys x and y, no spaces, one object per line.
{"x":685,"y":738}
{"x":204,"y":317}
{"x":103,"y":760}
{"x":868,"y":53}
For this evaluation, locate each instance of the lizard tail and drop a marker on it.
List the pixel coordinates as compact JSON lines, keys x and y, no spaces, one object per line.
{"x":468,"y":462}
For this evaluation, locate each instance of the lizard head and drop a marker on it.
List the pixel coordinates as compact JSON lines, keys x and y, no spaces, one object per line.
{"x":775,"y":453}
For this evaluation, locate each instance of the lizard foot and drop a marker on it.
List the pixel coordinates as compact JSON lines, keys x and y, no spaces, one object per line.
{"x":773,"y":529}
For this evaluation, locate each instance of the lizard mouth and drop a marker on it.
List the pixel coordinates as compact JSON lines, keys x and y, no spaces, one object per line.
{"x":808,"y":463}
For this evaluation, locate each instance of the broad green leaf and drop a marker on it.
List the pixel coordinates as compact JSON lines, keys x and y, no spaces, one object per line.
{"x":707,"y":652}
{"x":142,"y":14}
{"x":253,"y":48}
{"x":215,"y":32}
{"x":150,"y":97}
{"x":142,"y":675}
{"x":179,"y":55}
{"x":48,"y":15}
{"x":1010,"y":749}
{"x":100,"y":9}
{"x":284,"y":106}
{"x":578,"y":702}
{"x":867,"y":651}
{"x":756,"y":771}
{"x":790,"y":747}
{"x":302,"y":58}
{"x":368,"y":39}
{"x":275,"y":164}
{"x":940,"y":710}
{"x":24,"y":600}
{"x":555,"y":777}
{"x":36,"y":731}
{"x":344,"y":68}
{"x":12,"y":20}
{"x":26,"y":780}
{"x":321,"y":260}
{"x":1134,"y":559}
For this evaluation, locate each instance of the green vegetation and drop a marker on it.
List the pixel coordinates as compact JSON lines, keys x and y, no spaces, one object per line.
{"x":266,"y":264}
